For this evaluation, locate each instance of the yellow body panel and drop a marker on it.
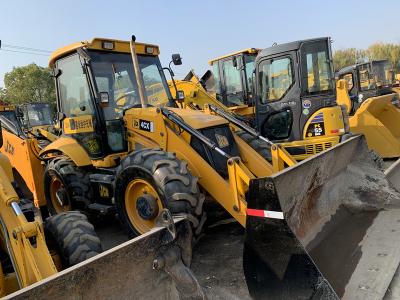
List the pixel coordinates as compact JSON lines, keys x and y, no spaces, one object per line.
{"x":333,"y":123}
{"x":24,"y":157}
{"x":69,"y":147}
{"x":32,"y":262}
{"x":81,"y":124}
{"x":377,"y":118}
{"x":96,"y":44}
{"x":7,"y":107}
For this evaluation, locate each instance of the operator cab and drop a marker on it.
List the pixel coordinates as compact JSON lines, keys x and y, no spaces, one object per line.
{"x":96,"y":84}
{"x":366,"y":80}
{"x":232,"y":77}
{"x":292,"y":82}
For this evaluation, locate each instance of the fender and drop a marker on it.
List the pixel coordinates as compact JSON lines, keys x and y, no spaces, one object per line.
{"x":69,"y":147}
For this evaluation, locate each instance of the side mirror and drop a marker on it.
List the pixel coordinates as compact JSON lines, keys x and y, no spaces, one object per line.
{"x":176,"y":59}
{"x":104,"y":97}
{"x":180,"y":95}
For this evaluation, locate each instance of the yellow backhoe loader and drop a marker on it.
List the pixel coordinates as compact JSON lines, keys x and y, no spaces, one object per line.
{"x":367,"y":92}
{"x":32,"y":250}
{"x":289,"y":100}
{"x":126,"y":146}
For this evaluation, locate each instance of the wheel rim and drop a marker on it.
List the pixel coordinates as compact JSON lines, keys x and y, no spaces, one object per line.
{"x":135,"y":191}
{"x":58,"y":196}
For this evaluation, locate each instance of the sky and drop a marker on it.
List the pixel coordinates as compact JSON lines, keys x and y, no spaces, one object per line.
{"x":198,"y":30}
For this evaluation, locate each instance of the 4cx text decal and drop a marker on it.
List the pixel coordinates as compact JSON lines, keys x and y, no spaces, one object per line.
{"x":144,"y":125}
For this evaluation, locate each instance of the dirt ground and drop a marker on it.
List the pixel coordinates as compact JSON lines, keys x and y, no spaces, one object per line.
{"x":217,"y":258}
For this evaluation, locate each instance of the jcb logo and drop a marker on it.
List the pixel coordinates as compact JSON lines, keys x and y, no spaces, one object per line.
{"x":9,"y":148}
{"x":104,"y":191}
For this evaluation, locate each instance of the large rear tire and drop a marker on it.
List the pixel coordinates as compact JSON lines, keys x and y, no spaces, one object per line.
{"x":73,"y":237}
{"x":258,"y":145}
{"x":149,"y":180}
{"x":66,"y":186}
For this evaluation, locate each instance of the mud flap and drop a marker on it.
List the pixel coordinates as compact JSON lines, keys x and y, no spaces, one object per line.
{"x":325,"y":228}
{"x":131,"y":270}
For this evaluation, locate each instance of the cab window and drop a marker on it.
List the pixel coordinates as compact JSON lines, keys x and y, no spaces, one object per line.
{"x":349,"y":79}
{"x":276,"y":79}
{"x":73,"y":87}
{"x":233,"y":84}
{"x":366,"y":82}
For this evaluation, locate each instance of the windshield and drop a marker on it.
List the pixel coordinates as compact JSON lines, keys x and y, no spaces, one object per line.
{"x":115,"y":75}
{"x":316,"y":68}
{"x":38,"y":114}
{"x":382,"y":73}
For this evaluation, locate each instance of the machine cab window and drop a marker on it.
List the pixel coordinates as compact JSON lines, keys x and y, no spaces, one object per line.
{"x":276,"y":79}
{"x":233,"y":83}
{"x":73,"y":88}
{"x":317,"y":74}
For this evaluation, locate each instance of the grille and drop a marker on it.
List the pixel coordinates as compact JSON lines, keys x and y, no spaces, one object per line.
{"x":317,"y":148}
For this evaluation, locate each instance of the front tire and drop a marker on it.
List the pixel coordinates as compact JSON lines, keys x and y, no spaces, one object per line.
{"x":67,"y":186}
{"x":73,"y":237}
{"x":148,"y":181}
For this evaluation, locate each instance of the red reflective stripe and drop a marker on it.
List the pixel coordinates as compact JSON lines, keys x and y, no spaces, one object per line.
{"x":255,"y":212}
{"x":334,"y":130}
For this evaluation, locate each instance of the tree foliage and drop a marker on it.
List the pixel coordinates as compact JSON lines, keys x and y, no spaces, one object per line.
{"x":30,"y":83}
{"x":351,"y":56}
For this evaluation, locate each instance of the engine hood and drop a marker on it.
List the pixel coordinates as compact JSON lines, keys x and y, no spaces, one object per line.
{"x":198,"y":119}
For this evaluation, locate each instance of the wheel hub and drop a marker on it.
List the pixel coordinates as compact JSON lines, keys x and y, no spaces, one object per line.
{"x":61,"y":197}
{"x":147,"y":207}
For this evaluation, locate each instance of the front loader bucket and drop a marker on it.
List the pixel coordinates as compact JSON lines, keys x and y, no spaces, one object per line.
{"x":326,"y":228}
{"x":132,"y":270}
{"x":379,"y":120}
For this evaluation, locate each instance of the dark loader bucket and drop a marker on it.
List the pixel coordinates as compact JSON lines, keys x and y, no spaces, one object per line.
{"x":326,"y":228}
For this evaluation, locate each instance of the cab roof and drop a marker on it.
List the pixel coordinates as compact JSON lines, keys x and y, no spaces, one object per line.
{"x":244,"y":51}
{"x":286,"y":47}
{"x":350,"y":68}
{"x":104,"y":44}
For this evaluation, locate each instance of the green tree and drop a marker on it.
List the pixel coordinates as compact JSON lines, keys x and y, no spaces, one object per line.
{"x":347,"y":57}
{"x":30,"y":83}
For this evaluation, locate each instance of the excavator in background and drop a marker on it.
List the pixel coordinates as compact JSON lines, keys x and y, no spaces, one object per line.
{"x":285,"y":92}
{"x":126,"y":146}
{"x":32,"y":250}
{"x":368,"y":93}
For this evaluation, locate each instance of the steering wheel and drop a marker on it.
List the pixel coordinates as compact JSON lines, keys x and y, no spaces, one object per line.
{"x":129,"y":93}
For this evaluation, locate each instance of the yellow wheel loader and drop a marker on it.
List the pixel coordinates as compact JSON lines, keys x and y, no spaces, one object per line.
{"x":125,"y":146}
{"x":32,"y":250}
{"x":367,"y":92}
{"x":290,"y":100}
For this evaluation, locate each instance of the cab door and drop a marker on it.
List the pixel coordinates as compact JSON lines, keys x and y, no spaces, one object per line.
{"x":277,"y":91}
{"x":77,"y":106}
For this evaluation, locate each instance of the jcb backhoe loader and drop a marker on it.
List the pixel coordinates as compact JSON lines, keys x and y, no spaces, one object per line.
{"x":30,"y":250}
{"x":26,"y":130}
{"x":124,"y":141}
{"x":367,"y":91}
{"x":291,"y":100}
